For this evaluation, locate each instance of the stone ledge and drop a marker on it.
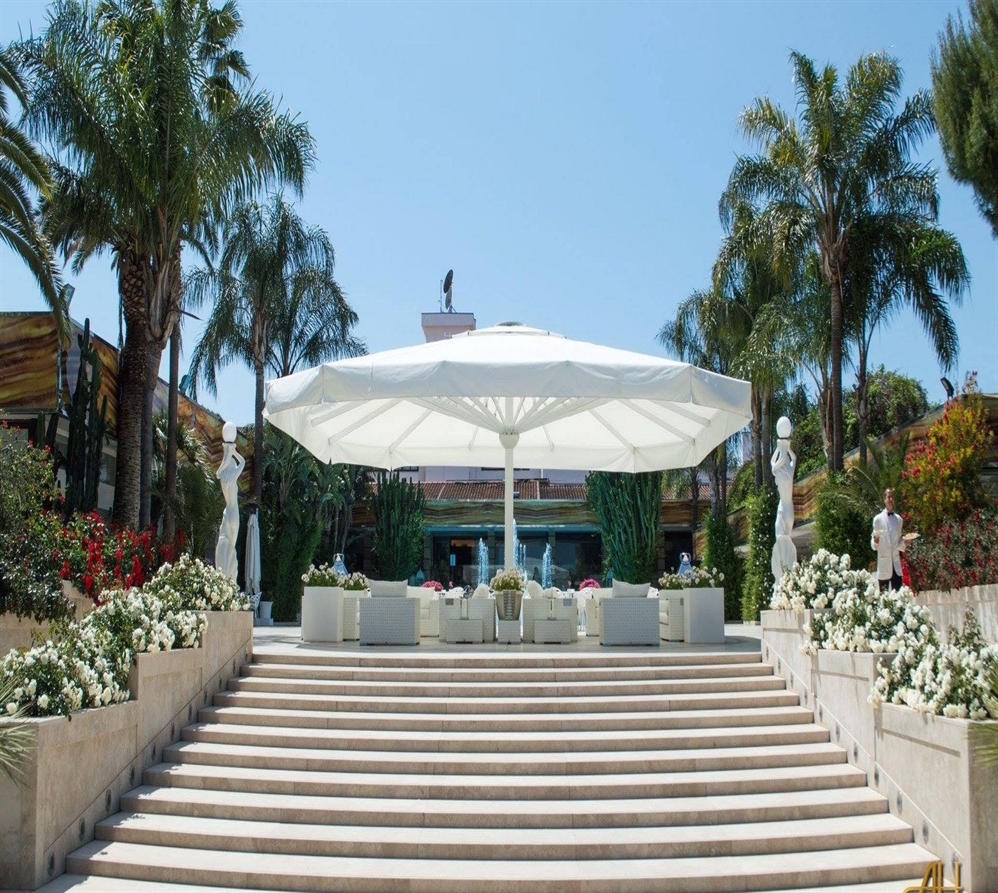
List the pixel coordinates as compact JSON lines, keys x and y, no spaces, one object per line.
{"x":924,"y":765}
{"x":80,"y":767}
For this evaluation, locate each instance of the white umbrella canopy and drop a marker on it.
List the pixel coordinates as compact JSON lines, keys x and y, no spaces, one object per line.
{"x":482,"y":397}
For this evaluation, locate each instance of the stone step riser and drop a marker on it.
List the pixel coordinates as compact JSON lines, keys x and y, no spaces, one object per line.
{"x":413,"y":846}
{"x":601,"y":706}
{"x":319,"y":873}
{"x":582,"y":674}
{"x":837,"y":803}
{"x":564,"y":691}
{"x":484,"y":723}
{"x":594,"y":765}
{"x":530,"y":788}
{"x":785,"y":736}
{"x":456,"y":661}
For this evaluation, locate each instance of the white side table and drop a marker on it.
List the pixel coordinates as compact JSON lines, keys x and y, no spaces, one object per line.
{"x":555,"y":631}
{"x":508,"y":632}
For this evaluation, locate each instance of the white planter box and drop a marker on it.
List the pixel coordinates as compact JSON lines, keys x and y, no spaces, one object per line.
{"x":933,"y":763}
{"x":322,"y":614}
{"x":79,"y":769}
{"x":924,"y":765}
{"x":703,"y":615}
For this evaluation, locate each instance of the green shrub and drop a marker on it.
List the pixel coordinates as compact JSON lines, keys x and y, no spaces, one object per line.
{"x":841,"y":528}
{"x":628,"y":507}
{"x":757,"y":589}
{"x":720,"y":553}
{"x":960,"y":553}
{"x":397,"y":547}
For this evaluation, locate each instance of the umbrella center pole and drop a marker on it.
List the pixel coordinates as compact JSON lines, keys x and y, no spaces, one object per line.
{"x":508,"y":441}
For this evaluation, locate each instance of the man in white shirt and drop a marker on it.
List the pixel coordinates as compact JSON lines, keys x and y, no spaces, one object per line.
{"x":888,"y":542}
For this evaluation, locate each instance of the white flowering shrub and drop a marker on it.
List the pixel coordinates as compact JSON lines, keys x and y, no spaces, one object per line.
{"x":509,"y":580}
{"x":75,"y":671}
{"x":198,"y":586}
{"x":948,"y":679}
{"x":323,"y":575}
{"x":694,"y":578}
{"x":813,"y":583}
{"x":86,"y":664}
{"x":355,"y":582}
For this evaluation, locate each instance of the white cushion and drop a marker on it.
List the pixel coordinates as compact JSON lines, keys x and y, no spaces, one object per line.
{"x":534,"y":589}
{"x":383,"y":588}
{"x":481,"y":591}
{"x":630,"y":590}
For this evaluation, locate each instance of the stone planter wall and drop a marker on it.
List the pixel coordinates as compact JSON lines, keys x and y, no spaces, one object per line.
{"x":922,"y":765}
{"x":17,"y":633}
{"x":79,"y":768}
{"x":947,"y":608}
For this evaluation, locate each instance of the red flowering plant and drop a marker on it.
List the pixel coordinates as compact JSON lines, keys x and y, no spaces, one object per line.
{"x":960,"y":553}
{"x":942,"y":474}
{"x":96,"y":557}
{"x":588,"y":583}
{"x":434,"y":584}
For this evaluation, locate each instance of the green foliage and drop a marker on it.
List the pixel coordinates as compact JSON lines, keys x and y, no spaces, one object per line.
{"x":29,"y":581}
{"x":87,"y":432}
{"x":757,"y":590}
{"x":290,"y":525}
{"x":843,"y":522}
{"x":628,"y":507}
{"x":807,"y":439}
{"x":942,"y":477}
{"x":16,"y":739}
{"x":720,"y":553}
{"x":397,"y":547}
{"x":965,"y":99}
{"x":742,"y":487}
{"x":892,"y":400}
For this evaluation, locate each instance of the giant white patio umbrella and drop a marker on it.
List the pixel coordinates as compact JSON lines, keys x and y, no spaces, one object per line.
{"x":509,"y":393}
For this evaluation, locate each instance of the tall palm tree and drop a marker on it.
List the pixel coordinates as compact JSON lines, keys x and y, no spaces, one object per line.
{"x":899,"y":261}
{"x":22,"y":169}
{"x":151,"y":108}
{"x":275,"y":304}
{"x":846,"y":155}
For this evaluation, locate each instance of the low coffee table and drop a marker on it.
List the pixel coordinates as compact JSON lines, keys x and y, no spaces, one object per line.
{"x":467,"y":629}
{"x":553,"y":631}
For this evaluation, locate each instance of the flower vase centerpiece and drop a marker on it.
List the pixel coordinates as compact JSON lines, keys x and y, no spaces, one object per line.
{"x":508,"y":588}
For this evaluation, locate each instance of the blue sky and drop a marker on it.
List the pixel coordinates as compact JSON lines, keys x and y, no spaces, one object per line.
{"x":564,"y":159}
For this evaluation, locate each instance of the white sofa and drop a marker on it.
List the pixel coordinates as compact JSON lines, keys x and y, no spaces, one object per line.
{"x":483,"y":609}
{"x":630,"y":617}
{"x":672,"y":615}
{"x":592,"y":604}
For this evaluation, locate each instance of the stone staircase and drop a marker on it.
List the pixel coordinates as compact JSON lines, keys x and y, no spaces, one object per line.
{"x":505,"y":771}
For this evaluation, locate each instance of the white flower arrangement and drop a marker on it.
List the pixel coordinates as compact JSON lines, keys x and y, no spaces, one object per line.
{"x":943,"y":679}
{"x":813,"y":583}
{"x":694,"y":578}
{"x":199,"y":586}
{"x":323,"y":575}
{"x":511,"y":580}
{"x":355,"y":582}
{"x":86,"y":664}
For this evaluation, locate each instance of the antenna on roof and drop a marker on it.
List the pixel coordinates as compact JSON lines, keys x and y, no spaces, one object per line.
{"x":447,"y":291}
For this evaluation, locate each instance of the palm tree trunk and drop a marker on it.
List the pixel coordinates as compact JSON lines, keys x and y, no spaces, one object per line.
{"x":767,"y":437}
{"x":154,"y":355}
{"x":258,"y":436}
{"x":862,"y":407}
{"x":836,"y":362}
{"x":131,"y":383}
{"x":695,"y":506}
{"x":169,"y":515}
{"x":757,"y":438}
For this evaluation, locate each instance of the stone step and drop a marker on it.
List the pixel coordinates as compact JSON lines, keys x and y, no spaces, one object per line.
{"x":532,"y":787}
{"x":468,"y":705}
{"x":79,"y":883}
{"x":240,"y":707}
{"x":321,"y":873}
{"x":505,"y":674}
{"x":506,"y":742}
{"x":365,"y":841}
{"x":241,"y":805}
{"x":485,"y":764}
{"x":506,"y":689}
{"x":468,"y":657}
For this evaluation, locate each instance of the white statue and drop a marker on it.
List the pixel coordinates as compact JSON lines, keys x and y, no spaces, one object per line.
{"x":784,"y":464}
{"x":228,"y":476}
